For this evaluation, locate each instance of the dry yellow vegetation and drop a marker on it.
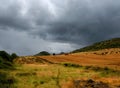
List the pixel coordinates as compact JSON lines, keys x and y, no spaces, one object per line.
{"x":102,"y":58}
{"x":100,"y":69}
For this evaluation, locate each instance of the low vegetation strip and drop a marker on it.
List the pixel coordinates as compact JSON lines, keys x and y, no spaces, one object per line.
{"x":103,"y":71}
{"x":32,"y":60}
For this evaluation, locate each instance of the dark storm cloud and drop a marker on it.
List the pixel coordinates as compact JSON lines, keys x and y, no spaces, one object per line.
{"x":69,"y":23}
{"x":85,"y":21}
{"x":22,"y":15}
{"x":10,"y":16}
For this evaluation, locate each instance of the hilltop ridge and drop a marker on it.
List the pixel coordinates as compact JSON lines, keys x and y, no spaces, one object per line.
{"x":107,"y":44}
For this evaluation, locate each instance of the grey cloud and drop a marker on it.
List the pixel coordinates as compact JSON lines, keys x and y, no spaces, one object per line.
{"x":23,"y":44}
{"x":70,"y":22}
{"x":86,"y":22}
{"x":14,"y":14}
{"x":10,"y":15}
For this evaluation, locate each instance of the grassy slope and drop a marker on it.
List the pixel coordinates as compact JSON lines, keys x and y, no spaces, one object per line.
{"x":92,"y":65}
{"x":96,"y":58}
{"x":112,"y":43}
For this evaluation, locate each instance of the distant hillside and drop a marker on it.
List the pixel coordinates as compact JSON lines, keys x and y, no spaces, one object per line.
{"x":43,"y":53}
{"x":107,"y":44}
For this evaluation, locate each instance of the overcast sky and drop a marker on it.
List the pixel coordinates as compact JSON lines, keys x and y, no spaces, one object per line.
{"x":30,"y":26}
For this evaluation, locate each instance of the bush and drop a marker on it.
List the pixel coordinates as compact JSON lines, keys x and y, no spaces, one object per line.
{"x":8,"y":57}
{"x":14,"y":55}
{"x":6,"y":81}
{"x":71,"y":65}
{"x":5,"y":64}
{"x":1,"y":60}
{"x":54,"y":54}
{"x":26,"y":74}
{"x":5,"y":56}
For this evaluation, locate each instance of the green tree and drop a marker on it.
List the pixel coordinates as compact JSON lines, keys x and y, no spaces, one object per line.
{"x":14,"y":55}
{"x":5,"y":56}
{"x":43,"y":53}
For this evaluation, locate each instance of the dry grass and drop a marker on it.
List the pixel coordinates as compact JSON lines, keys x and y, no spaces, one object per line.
{"x":48,"y":72}
{"x":58,"y":76}
{"x":111,"y":60}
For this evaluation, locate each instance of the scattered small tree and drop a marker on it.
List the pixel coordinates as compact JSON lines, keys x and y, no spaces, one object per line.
{"x":54,"y":54}
{"x":43,"y":53}
{"x":14,"y":55}
{"x":5,"y":56}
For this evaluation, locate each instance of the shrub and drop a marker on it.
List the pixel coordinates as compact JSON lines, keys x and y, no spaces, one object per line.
{"x":43,"y":53}
{"x":71,"y":65}
{"x":1,"y":60}
{"x":5,"y":56}
{"x":6,"y":81}
{"x":5,"y":64}
{"x":54,"y":54}
{"x":14,"y":55}
{"x":25,"y":74}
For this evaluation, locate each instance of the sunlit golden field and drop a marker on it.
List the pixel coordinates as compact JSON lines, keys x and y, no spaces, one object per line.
{"x":102,"y":58}
{"x":79,"y":70}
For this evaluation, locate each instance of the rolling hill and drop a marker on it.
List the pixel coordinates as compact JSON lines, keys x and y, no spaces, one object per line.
{"x":43,"y":53}
{"x":107,"y":44}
